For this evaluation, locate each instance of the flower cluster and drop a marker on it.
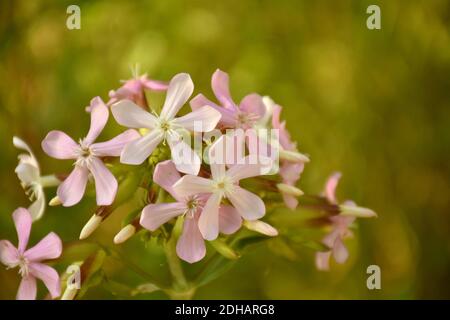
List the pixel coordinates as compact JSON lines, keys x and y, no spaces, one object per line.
{"x":242,"y":162}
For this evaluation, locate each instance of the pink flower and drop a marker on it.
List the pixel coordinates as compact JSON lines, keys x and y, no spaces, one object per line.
{"x":244,"y":115}
{"x":166,"y":127}
{"x":30,"y":261}
{"x":223,"y":184}
{"x":88,"y":158}
{"x":190,"y":246}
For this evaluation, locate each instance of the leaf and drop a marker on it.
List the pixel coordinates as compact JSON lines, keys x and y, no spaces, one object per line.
{"x":91,"y":273}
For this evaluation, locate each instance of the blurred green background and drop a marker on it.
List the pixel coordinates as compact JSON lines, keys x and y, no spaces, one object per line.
{"x":372,"y":104}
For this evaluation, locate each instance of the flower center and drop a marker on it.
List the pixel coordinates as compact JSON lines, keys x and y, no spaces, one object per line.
{"x":224,"y":185}
{"x":165,"y":126}
{"x":192,"y":206}
{"x":246,"y":120}
{"x":23,"y":266}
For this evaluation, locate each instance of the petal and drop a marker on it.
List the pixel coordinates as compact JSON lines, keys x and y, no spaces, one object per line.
{"x":290,"y":172}
{"x":130,"y":115}
{"x":229,"y":219}
{"x":185,"y":159}
{"x":252,"y":166}
{"x":208,"y":222}
{"x":72,"y":189}
{"x":59,"y":145}
{"x":105,"y":182}
{"x":178,"y":93}
{"x":37,"y":208}
{"x":203,"y":119}
{"x":140,"y":149}
{"x":99,"y":117}
{"x":9,"y":256}
{"x":154,"y":85}
{"x":191,"y":246}
{"x":48,"y":248}
{"x":284,"y":136}
{"x":20,"y":144}
{"x":330,"y":187}
{"x":248,"y":204}
{"x":290,"y":201}
{"x":323,"y":260}
{"x":27,"y":289}
{"x":340,"y":252}
{"x":220,"y":86}
{"x":166,"y":175}
{"x":190,"y":185}
{"x":22,"y":220}
{"x":114,"y":147}
{"x":228,"y":118}
{"x":229,"y":149}
{"x":253,"y":104}
{"x":155,"y":215}
{"x":49,"y":276}
{"x":27,"y":172}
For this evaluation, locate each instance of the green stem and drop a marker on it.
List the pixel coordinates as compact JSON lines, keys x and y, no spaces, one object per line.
{"x":180,"y":282}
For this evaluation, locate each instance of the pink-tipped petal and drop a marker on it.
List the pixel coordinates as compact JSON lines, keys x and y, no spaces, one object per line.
{"x":155,"y":215}
{"x":140,"y":149}
{"x":208,"y":223}
{"x":22,"y":220}
{"x":203,"y":119}
{"x":154,"y":85}
{"x":27,"y":289}
{"x":191,"y":246}
{"x":178,"y":93}
{"x":59,"y":145}
{"x":114,"y":147}
{"x":185,"y":159}
{"x":247,"y":204}
{"x":49,"y":276}
{"x":166,"y":175}
{"x":330,"y":187}
{"x":99,"y":117}
{"x":48,"y":248}
{"x":340,"y":252}
{"x":323,"y":260}
{"x":105,"y":182}
{"x":9,"y":256}
{"x":72,"y":189}
{"x":229,"y":219}
{"x":253,"y":104}
{"x":190,"y":185}
{"x":130,"y":115}
{"x":221,"y":88}
{"x":227,"y":119}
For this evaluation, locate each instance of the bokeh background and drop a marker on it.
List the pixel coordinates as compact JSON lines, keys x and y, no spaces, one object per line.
{"x":373,"y":104}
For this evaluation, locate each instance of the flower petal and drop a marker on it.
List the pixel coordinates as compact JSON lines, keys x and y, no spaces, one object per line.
{"x":71,"y":190}
{"x":154,"y":215}
{"x":340,"y":252}
{"x":99,"y":117}
{"x":49,"y":276}
{"x":323,"y":260}
{"x":105,"y":182}
{"x":191,"y":246}
{"x":248,"y":204}
{"x":50,"y":247}
{"x":330,"y":187}
{"x":130,"y":115}
{"x":22,"y":220}
{"x":59,"y":145}
{"x":227,"y":119}
{"x":9,"y":256}
{"x":27,"y":289}
{"x":178,"y":93}
{"x":114,"y":147}
{"x":203,"y":119}
{"x":208,"y":222}
{"x":185,"y":159}
{"x":140,"y":149}
{"x":252,"y":166}
{"x":154,"y":85}
{"x":253,"y":104}
{"x":290,"y":201}
{"x":27,"y":173}
{"x":220,"y":86}
{"x":166,"y":175}
{"x":229,"y":219}
{"x":190,"y":185}
{"x":37,"y":208}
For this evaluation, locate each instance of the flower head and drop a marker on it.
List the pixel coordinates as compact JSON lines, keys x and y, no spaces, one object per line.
{"x":30,"y":261}
{"x":88,"y":158}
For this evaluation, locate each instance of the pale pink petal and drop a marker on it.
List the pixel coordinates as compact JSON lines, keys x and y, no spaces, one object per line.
{"x":323,"y":260}
{"x":140,"y":149}
{"x":229,"y":219}
{"x":59,"y":145}
{"x":99,"y":117}
{"x":166,"y":175}
{"x":227,"y":119}
{"x":191,"y":246}
{"x":27,"y":289}
{"x":220,"y":86}
{"x":340,"y":252}
{"x":72,"y":189}
{"x":229,"y":149}
{"x":253,"y":166}
{"x":22,"y":220}
{"x":208,"y":222}
{"x":290,"y":172}
{"x":49,"y":276}
{"x":155,"y":215}
{"x":290,"y":201}
{"x":154,"y":85}
{"x":178,"y":93}
{"x":247,"y":204}
{"x":185,"y":159}
{"x":190,"y":185}
{"x":105,"y":182}
{"x":285,"y":138}
{"x":130,"y":115}
{"x":114,"y":147}
{"x":9,"y":256}
{"x":330,"y":238}
{"x":330,"y":187}
{"x":253,"y":104}
{"x":203,"y":119}
{"x":48,"y":248}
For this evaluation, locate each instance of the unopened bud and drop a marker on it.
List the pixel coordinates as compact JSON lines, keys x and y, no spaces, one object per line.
{"x":124,"y":234}
{"x":290,"y":190}
{"x":55,"y":202}
{"x":261,"y":227}
{"x":356,"y":211}
{"x":90,"y":226}
{"x":224,"y":249}
{"x":293,"y":156}
{"x":69,"y":293}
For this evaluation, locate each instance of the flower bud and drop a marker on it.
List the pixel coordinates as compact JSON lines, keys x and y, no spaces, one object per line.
{"x":224,"y":249}
{"x":124,"y":234}
{"x":261,"y":227}
{"x":90,"y":226}
{"x":293,"y":156}
{"x":290,"y":190}
{"x":355,"y":211}
{"x":55,"y":202}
